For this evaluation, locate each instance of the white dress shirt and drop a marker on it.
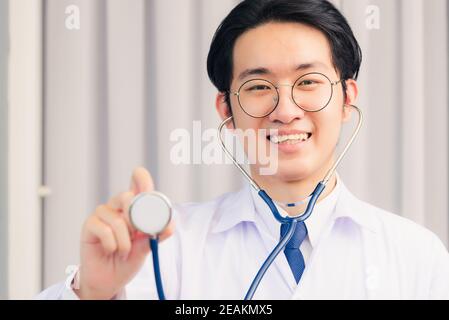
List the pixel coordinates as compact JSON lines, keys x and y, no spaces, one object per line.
{"x":353,"y":250}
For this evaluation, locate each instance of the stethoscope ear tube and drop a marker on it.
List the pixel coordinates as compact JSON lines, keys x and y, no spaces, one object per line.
{"x":311,"y":204}
{"x":291,"y":221}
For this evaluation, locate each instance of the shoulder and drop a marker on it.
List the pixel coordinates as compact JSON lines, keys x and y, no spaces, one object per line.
{"x":398,"y":234}
{"x":398,"y":228}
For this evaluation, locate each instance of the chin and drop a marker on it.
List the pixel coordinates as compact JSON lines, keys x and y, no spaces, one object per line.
{"x":289,"y":171}
{"x":292,"y":175}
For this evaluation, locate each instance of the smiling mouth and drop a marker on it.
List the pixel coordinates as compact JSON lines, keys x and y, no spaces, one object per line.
{"x":289,"y":138}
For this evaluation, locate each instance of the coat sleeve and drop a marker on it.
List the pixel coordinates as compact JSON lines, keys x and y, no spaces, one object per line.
{"x":60,"y":291}
{"x":64,"y":291}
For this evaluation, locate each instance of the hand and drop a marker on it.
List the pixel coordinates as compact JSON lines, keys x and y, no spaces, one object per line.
{"x":112,"y":250}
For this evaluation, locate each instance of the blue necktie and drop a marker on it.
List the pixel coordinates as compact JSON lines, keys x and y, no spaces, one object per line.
{"x":292,"y":252}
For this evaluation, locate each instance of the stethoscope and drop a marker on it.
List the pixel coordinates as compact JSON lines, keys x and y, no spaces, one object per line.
{"x":151,"y":212}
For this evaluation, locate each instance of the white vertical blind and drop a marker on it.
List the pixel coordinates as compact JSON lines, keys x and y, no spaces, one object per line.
{"x":436,"y":118}
{"x":413,"y":111}
{"x":125,"y":49}
{"x":73,"y":156}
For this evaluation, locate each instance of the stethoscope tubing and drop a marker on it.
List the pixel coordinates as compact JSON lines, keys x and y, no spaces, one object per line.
{"x":154,"y":244}
{"x":291,"y":221}
{"x":270,"y":259}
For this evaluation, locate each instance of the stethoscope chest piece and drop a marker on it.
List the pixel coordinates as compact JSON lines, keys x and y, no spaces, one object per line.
{"x":150,"y":212}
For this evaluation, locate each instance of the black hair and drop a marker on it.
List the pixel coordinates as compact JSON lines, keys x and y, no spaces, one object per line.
{"x":249,"y":14}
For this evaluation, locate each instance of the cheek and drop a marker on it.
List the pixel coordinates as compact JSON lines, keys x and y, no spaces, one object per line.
{"x":244,"y":122}
{"x":327,"y":130}
{"x":247,"y":127}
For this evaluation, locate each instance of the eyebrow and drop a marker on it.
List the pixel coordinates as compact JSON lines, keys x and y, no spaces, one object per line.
{"x":264,"y":71}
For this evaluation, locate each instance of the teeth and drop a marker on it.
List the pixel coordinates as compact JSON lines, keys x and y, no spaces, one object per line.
{"x":291,"y":138}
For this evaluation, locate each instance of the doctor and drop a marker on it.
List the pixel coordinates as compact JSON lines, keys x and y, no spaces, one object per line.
{"x":347,"y":249}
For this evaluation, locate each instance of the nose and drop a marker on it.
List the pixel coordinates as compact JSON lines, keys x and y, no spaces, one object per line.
{"x":286,"y":110}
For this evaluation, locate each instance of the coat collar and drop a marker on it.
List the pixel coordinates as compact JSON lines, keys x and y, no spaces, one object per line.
{"x":234,"y":209}
{"x":351,"y":208}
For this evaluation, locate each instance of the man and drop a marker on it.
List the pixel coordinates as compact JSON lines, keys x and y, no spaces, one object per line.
{"x":289,"y":65}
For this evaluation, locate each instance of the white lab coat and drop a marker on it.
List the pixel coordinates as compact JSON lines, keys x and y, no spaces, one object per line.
{"x":353,"y":251}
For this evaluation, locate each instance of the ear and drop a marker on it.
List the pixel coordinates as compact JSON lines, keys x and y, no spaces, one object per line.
{"x":352,"y":92}
{"x":223,"y":109}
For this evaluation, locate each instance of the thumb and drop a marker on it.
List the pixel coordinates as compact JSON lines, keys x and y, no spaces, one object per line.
{"x":141,"y":181}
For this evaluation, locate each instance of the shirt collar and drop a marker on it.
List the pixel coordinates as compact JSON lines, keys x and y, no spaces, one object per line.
{"x":244,"y":205}
{"x":315,"y":223}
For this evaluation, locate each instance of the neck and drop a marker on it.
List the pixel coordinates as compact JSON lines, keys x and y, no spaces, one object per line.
{"x":295,"y":190}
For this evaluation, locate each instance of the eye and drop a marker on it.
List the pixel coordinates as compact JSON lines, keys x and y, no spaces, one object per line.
{"x":306,"y":83}
{"x":258,"y":87}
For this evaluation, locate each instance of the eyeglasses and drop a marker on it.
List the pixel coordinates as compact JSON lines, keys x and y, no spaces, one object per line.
{"x":311,"y":92}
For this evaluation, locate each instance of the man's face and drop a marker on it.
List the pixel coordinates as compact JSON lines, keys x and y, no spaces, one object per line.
{"x":274,"y":52}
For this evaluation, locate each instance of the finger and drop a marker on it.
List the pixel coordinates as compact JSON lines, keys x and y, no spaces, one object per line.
{"x":98,"y":230}
{"x":168,"y":231}
{"x":140,"y":248}
{"x":141,"y":181}
{"x":121,"y":203}
{"x":119,"y":227}
{"x":141,"y":245}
